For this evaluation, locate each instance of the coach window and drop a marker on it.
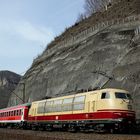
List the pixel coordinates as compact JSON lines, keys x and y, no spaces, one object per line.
{"x":19,"y":112}
{"x":14,"y":112}
{"x":79,"y":103}
{"x":67,"y":104}
{"x":105,"y":95}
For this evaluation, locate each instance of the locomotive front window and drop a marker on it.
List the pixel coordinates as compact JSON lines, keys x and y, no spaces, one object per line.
{"x":120,"y":95}
{"x":105,"y":95}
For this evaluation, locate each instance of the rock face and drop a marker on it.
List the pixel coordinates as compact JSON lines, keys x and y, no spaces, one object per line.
{"x":103,"y":55}
{"x":8,"y":82}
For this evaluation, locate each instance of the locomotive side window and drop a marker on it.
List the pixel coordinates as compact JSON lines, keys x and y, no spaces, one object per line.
{"x":57,"y":106}
{"x":105,"y":95}
{"x":79,"y":99}
{"x":49,"y":107}
{"x":67,"y":104}
{"x":68,"y":101}
{"x":79,"y":103}
{"x":41,"y":107}
{"x":120,"y":95}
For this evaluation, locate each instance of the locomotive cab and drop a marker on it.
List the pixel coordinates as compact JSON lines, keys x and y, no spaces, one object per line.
{"x":116,"y":107}
{"x":115,"y":100}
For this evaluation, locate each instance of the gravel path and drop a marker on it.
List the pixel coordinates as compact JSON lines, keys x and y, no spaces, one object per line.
{"x":13,"y":134}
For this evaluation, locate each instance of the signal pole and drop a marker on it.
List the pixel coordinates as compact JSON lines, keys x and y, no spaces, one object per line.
{"x":23,"y":92}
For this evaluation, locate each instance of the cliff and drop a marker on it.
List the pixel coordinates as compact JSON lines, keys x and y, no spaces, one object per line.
{"x":101,"y":51}
{"x":8,"y":82}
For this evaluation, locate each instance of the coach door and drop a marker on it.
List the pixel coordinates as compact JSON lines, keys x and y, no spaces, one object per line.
{"x":22,"y":114}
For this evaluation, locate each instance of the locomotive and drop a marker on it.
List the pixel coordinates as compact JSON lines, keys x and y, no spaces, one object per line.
{"x":105,"y":110}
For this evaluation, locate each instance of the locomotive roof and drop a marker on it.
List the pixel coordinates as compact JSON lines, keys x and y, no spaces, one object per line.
{"x":84,"y":93}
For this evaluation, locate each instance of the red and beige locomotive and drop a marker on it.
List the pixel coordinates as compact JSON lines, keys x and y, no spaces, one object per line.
{"x":100,"y":110}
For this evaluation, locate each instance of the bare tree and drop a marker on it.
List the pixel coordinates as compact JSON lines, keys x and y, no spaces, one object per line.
{"x":92,"y":6}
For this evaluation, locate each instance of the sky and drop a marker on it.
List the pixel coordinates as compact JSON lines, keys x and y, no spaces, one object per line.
{"x":27,"y":26}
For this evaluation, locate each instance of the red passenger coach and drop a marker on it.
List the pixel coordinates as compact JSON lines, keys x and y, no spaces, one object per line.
{"x":16,"y":115}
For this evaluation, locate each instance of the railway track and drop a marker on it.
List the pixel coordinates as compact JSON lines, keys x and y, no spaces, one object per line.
{"x":16,"y":134}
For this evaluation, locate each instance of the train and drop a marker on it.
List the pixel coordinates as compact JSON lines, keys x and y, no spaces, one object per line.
{"x":105,"y":110}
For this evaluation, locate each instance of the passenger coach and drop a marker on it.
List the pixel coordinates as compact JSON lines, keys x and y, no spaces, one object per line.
{"x":14,"y":116}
